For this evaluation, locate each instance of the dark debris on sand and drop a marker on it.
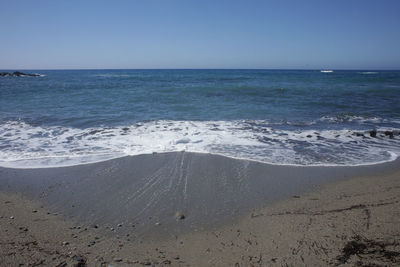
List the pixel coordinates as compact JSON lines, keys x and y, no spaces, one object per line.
{"x":367,"y":250}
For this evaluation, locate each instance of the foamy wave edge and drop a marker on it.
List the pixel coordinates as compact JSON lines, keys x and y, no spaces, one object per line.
{"x":4,"y":164}
{"x":239,"y":140}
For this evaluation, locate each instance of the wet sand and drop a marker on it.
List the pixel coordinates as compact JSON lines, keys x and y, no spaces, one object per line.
{"x":199,"y":210}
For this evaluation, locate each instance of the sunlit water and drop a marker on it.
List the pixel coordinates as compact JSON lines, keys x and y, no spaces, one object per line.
{"x":281,"y":117}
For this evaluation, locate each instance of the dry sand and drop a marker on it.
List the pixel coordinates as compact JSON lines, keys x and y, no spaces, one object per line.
{"x":351,"y":222}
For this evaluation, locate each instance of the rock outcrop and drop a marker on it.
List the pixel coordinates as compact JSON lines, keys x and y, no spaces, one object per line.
{"x":18,"y":74}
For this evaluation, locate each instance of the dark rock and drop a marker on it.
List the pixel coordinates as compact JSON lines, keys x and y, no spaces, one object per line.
{"x":24,"y":229}
{"x":372,"y":133}
{"x":21,"y":74}
{"x":179,"y":216}
{"x":389,"y":133}
{"x":117,"y":259}
{"x":18,"y":74}
{"x":309,"y":136}
{"x":81,"y":262}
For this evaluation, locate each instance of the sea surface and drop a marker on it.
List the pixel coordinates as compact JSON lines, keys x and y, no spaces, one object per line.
{"x":296,"y":117}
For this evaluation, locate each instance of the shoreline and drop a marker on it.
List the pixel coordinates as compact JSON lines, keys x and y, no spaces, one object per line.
{"x":144,"y":190}
{"x":394,"y":157}
{"x":309,"y":223}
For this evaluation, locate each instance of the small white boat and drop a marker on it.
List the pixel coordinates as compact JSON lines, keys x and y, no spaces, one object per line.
{"x":326,"y":71}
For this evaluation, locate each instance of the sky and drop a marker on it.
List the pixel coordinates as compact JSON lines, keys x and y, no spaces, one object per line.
{"x":284,"y":34}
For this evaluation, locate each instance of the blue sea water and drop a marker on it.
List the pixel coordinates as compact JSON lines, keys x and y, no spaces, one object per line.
{"x":302,"y":117}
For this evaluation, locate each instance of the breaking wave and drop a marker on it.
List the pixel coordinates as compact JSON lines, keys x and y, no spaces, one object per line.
{"x":25,"y":146}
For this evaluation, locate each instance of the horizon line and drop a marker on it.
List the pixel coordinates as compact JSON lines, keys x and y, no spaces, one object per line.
{"x":309,"y":69}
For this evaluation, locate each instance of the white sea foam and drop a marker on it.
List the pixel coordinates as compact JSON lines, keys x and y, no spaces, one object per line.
{"x":26,"y":146}
{"x":352,"y":118}
{"x":368,"y":72}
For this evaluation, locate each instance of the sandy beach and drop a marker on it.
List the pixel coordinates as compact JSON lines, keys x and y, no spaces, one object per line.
{"x":188,"y":209}
{"x":200,"y":133}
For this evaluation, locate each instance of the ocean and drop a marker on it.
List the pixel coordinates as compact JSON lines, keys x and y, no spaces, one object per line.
{"x":293,"y":117}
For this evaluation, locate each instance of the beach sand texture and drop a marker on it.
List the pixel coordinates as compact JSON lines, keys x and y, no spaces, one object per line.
{"x":190,"y":209}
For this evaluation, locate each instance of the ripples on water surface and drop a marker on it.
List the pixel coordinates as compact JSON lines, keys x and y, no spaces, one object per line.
{"x":283,"y":117}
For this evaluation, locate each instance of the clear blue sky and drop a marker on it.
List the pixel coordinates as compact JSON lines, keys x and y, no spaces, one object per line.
{"x":337,"y":34}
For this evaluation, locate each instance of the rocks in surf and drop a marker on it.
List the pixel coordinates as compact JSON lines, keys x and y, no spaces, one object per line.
{"x":374,"y":133}
{"x":19,"y":74}
{"x":389,"y":133}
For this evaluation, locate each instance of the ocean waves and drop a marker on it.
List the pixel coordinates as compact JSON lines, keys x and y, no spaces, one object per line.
{"x":275,"y":116}
{"x":23,"y":145}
